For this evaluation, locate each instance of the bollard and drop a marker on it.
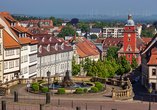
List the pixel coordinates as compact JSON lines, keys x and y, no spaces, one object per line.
{"x":72,"y":104}
{"x":3,"y":105}
{"x":48,"y":98}
{"x":86,"y":106}
{"x":41,"y":106}
{"x":100,"y":107}
{"x":58,"y":102}
{"x":113,"y":109}
{"x":78,"y":108}
{"x":141,"y":99}
{"x":15,"y":96}
{"x":153,"y":100}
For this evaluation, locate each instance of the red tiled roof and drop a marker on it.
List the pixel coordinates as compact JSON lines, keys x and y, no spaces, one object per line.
{"x":99,"y":41}
{"x":112,"y":42}
{"x":9,"y":42}
{"x":1,"y":26}
{"x":101,"y":35}
{"x":91,"y":24}
{"x":146,"y":40}
{"x":153,"y":60}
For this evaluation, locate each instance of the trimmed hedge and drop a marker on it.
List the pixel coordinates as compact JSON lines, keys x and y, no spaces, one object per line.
{"x":85,"y":89}
{"x":35,"y":87}
{"x":94,"y":89}
{"x":44,"y":89}
{"x":35,"y":84}
{"x":99,"y":86}
{"x":61,"y":91}
{"x":41,"y":82}
{"x":96,"y":83}
{"x":79,"y":91}
{"x":56,"y":80}
{"x":88,"y":81}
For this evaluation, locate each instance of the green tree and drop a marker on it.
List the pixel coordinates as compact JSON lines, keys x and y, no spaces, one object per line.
{"x":144,"y":27}
{"x":75,"y":67}
{"x":134,"y":64}
{"x":81,"y":25}
{"x":124,"y":66}
{"x":67,"y":31}
{"x":87,"y":64}
{"x":113,"y":51}
{"x":94,"y":36}
{"x":38,"y":24}
{"x":58,"y":22}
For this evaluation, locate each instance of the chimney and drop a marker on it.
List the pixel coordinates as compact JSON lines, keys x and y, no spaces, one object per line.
{"x":75,"y":37}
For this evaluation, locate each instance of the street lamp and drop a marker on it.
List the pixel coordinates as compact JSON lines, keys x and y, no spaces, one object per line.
{"x":48,"y":74}
{"x":149,"y":90}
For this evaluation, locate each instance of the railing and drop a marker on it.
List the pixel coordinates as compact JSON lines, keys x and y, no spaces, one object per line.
{"x":125,"y":94}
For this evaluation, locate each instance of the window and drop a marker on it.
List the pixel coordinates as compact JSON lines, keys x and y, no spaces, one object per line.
{"x":0,"y":49}
{"x":128,"y":56}
{"x":0,"y":67}
{"x":6,"y":65}
{"x":0,"y":33}
{"x":129,"y":61}
{"x":11,"y":64}
{"x":153,"y":72}
{"x":17,"y":63}
{"x":136,"y":56}
{"x":128,"y":39}
{"x":128,"y":49}
{"x":153,"y":86}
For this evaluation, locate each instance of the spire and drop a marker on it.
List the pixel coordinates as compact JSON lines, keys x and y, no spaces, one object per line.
{"x":75,"y":37}
{"x":129,"y":16}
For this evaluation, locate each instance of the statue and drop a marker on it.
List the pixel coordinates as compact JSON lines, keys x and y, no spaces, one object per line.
{"x":83,"y":83}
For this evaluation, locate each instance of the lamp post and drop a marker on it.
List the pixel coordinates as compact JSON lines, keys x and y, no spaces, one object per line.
{"x":28,"y":85}
{"x":48,"y":74}
{"x":149,"y":90}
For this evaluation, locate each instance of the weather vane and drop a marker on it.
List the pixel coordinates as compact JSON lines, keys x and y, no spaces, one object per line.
{"x":129,"y":11}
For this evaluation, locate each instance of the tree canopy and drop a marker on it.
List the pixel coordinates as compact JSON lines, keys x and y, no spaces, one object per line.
{"x":124,"y":66}
{"x":67,"y":31}
{"x":113,"y":51}
{"x":76,"y":68}
{"x":149,"y":33}
{"x":81,"y":25}
{"x":134,"y":64}
{"x":94,"y":36}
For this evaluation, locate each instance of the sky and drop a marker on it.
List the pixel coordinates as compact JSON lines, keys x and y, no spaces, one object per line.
{"x":78,"y":7}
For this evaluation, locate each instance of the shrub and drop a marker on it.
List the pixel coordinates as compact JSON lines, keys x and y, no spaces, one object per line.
{"x":79,"y":91}
{"x":35,"y":84}
{"x":61,"y":91}
{"x":44,"y":89}
{"x":94,"y":89}
{"x":56,"y":80}
{"x":35,"y":87}
{"x":99,"y":86}
{"x":96,"y":83}
{"x":88,"y":81}
{"x":41,"y":82}
{"x":85,"y":89}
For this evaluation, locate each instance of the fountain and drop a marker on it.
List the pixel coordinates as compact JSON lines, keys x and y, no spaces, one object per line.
{"x":67,"y":82}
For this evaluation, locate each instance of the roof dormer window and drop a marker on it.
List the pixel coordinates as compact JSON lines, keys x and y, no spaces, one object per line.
{"x":50,"y":38}
{"x":48,"y":48}
{"x":40,"y":49}
{"x":43,"y":39}
{"x":113,"y":41}
{"x":108,"y":40}
{"x":62,"y":46}
{"x":25,"y":34}
{"x":56,"y":46}
{"x":11,"y":24}
{"x":19,"y":35}
{"x":15,"y":24}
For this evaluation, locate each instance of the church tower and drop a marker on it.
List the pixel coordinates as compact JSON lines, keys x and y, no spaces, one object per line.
{"x":129,"y":39}
{"x":129,"y":48}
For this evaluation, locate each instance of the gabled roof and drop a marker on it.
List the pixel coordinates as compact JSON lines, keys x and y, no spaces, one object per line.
{"x":9,"y":42}
{"x":150,"y":28}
